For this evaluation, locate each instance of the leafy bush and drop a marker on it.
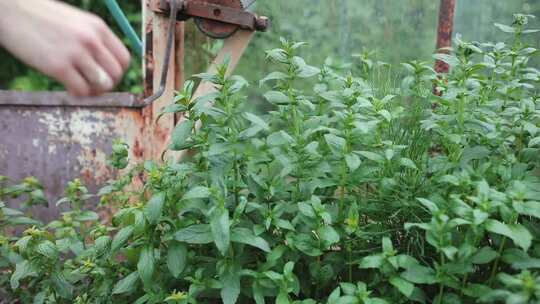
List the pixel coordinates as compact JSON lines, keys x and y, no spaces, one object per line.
{"x":348,"y":193}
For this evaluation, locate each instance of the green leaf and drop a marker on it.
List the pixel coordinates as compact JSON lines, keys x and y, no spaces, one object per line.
{"x":353,"y":161}
{"x":145,"y":266}
{"x":348,"y":288}
{"x":177,"y":259}
{"x":534,"y":142}
{"x":529,"y":208}
{"x":328,"y":235}
{"x":23,"y":220}
{"x":283,"y":298}
{"x":220,"y":227}
{"x":197,"y":193}
{"x":61,"y":285}
{"x":273,"y":76}
{"x":87,"y":216}
{"x":516,"y":232}
{"x":121,"y":238}
{"x":371,"y":261}
{"x":279,"y":138}
{"x":419,"y":275}
{"x":484,"y":255}
{"x":336,"y":143}
{"x":431,"y":206}
{"x":47,"y":249}
{"x":195,"y":234}
{"x":278,"y":55}
{"x":334,"y":296}
{"x":247,"y":133}
{"x":256,"y":120}
{"x":172,"y":108}
{"x":408,"y":163}
{"x":102,"y":244}
{"x":304,"y":70}
{"x":154,"y":207}
{"x":305,"y":243}
{"x":385,"y":114}
{"x":526,"y":263}
{"x":505,"y":28}
{"x":402,"y":285}
{"x":331,"y":96}
{"x":22,"y":243}
{"x":372,"y":156}
{"x":180,"y":135}
{"x":277,"y":98}
{"x":387,"y":246}
{"x":230,"y":280}
{"x":451,"y":60}
{"x":258,"y":294}
{"x":246,"y":236}
{"x":40,"y":298}
{"x":306,"y":209}
{"x":474,"y":153}
{"x":23,"y":269}
{"x":127,"y":284}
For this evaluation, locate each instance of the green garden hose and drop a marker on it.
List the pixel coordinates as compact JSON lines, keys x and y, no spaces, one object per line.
{"x":126,"y":28}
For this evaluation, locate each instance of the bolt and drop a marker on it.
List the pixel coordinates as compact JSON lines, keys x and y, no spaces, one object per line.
{"x":262,"y":23}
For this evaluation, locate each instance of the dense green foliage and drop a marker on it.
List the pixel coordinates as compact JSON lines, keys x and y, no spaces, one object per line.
{"x":350,"y":192}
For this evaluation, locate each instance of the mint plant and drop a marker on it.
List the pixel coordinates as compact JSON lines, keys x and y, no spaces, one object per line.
{"x":355,"y":191}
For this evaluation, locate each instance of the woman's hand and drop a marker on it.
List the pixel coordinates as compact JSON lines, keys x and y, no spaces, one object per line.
{"x":72,"y":46}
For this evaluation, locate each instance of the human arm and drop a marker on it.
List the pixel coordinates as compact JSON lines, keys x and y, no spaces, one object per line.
{"x":70,"y":45}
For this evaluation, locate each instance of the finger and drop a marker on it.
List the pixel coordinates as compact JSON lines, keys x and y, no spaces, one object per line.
{"x":117,"y":48}
{"x":96,"y":76}
{"x":111,"y":65}
{"x":74,"y":82}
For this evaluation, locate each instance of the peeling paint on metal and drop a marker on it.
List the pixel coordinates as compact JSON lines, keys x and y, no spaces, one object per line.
{"x":58,"y":144}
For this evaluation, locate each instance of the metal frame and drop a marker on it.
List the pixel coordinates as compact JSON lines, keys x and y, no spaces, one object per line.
{"x":444,"y":32}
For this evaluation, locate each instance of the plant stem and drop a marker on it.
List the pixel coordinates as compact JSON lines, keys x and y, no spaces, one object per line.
{"x":349,"y":252}
{"x":235,"y":187}
{"x":443,"y":261}
{"x":441,"y":292}
{"x":496,"y":263}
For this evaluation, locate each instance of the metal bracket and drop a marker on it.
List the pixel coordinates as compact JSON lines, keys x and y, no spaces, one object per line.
{"x":170,"y":41}
{"x":185,"y":9}
{"x":205,"y":10}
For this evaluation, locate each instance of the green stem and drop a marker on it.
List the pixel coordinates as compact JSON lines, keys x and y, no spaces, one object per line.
{"x":443,"y":261}
{"x":235,"y":186}
{"x":461,"y":114}
{"x":496,"y":263}
{"x":441,"y":292}
{"x":349,"y":253}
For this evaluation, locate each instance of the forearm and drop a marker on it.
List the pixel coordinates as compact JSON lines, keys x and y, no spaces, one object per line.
{"x":9,"y":10}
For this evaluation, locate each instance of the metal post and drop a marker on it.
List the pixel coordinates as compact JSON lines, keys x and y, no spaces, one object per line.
{"x":444,"y":32}
{"x":155,"y":32}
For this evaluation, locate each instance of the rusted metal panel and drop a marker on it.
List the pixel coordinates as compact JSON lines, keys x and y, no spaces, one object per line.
{"x":50,"y":99}
{"x":444,"y":32}
{"x":59,"y":143}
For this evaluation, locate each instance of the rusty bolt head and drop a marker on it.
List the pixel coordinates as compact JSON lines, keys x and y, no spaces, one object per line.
{"x":262,"y":23}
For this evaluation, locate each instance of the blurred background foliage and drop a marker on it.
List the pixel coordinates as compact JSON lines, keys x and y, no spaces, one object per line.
{"x":393,"y":31}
